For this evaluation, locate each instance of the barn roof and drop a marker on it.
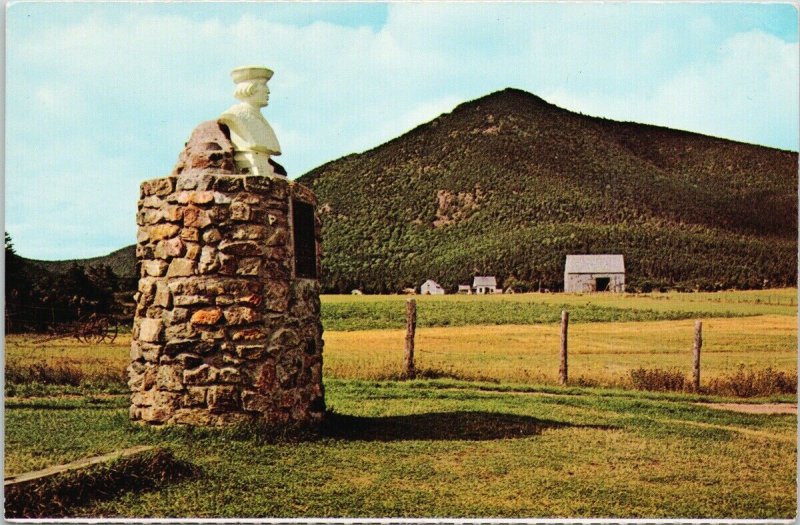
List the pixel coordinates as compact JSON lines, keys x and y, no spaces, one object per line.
{"x":595,"y":264}
{"x":431,"y":282}
{"x":484,"y":281}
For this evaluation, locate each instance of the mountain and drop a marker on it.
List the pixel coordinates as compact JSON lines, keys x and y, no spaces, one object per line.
{"x":122,"y":262}
{"x":509,"y":184}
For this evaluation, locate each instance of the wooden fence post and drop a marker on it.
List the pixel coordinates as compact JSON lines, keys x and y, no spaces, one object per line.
{"x":411,"y":327}
{"x":698,"y":343}
{"x":562,"y":370}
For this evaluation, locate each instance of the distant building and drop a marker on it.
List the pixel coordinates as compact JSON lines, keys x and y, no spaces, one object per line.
{"x":465,"y":289}
{"x":484,"y":285}
{"x":431,"y":287}
{"x":357,"y":292}
{"x":594,"y":273}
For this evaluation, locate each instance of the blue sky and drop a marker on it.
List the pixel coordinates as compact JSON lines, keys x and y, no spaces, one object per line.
{"x":100,"y":96}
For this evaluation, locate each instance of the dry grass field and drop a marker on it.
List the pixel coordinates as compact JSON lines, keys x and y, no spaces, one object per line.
{"x":602,"y":353}
{"x":599,"y":353}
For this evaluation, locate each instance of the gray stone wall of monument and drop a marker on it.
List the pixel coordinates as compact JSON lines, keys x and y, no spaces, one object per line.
{"x":227,"y":325}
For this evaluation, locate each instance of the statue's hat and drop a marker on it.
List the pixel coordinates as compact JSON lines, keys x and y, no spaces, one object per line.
{"x":241,"y":74}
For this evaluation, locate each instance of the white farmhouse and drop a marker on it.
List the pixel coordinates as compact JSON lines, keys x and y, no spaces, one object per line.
{"x":594,"y":273}
{"x":484,"y":285}
{"x":431,"y":287}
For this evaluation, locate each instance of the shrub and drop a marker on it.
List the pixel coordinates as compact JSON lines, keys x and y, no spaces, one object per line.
{"x":45,"y":373}
{"x":672,"y":380}
{"x":62,"y":373}
{"x":742,"y":383}
{"x":436,"y":373}
{"x":751,"y":383}
{"x":584,"y":381}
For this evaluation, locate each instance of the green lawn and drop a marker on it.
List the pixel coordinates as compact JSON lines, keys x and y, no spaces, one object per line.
{"x":445,"y":448}
{"x":365,"y":312}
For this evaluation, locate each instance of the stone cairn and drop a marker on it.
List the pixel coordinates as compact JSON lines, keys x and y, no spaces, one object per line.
{"x":227,"y":326}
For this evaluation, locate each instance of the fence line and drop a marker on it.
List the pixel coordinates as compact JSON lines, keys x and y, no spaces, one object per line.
{"x":409,"y":368}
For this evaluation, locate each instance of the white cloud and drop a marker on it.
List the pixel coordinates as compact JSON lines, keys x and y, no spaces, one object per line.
{"x":745,"y":90}
{"x":749,"y":93}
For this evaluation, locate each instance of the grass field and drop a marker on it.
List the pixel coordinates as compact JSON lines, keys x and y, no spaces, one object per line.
{"x":489,"y":434}
{"x":445,"y":448}
{"x":365,"y":312}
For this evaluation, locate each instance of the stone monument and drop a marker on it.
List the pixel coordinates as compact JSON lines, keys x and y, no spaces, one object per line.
{"x":227,"y":323}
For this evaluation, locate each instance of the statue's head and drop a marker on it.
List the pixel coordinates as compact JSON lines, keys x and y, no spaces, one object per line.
{"x":251,"y":84}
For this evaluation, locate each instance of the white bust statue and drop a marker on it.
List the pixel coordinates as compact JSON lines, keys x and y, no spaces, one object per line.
{"x":252,"y":136}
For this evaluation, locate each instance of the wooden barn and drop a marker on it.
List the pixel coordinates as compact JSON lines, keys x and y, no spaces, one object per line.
{"x":594,"y":273}
{"x":431,"y":287}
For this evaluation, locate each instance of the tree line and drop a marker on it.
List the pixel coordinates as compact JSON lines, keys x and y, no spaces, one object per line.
{"x":37,"y":299}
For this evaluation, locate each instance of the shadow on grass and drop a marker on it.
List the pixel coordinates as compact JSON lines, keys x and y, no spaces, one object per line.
{"x":470,"y":426}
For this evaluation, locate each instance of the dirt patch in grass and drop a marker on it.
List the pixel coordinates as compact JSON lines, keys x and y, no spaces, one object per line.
{"x":753,"y":408}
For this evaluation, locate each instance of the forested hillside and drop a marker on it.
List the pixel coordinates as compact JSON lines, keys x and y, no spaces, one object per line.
{"x":508,"y":185}
{"x":122,"y":262}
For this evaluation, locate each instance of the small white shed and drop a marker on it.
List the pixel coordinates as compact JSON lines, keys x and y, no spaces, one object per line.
{"x":431,"y":287}
{"x":484,"y":285}
{"x":594,"y":273}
